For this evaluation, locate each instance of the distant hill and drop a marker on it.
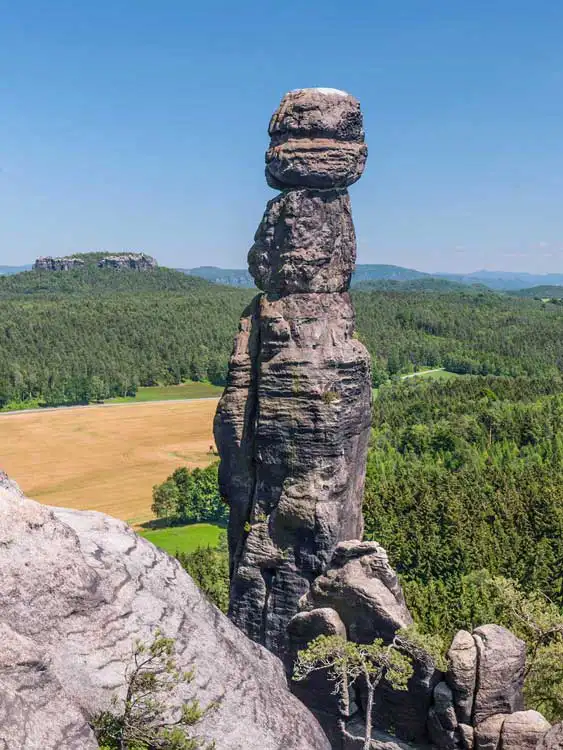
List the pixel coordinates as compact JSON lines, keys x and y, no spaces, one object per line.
{"x":505,"y":280}
{"x":364,"y":273}
{"x":90,"y":280}
{"x":231,"y":277}
{"x":423,"y":284}
{"x":376,"y":271}
{"x":540,"y":292}
{"x":502,"y":281}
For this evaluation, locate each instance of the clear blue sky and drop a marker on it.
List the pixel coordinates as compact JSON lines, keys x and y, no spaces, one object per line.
{"x":141,"y":124}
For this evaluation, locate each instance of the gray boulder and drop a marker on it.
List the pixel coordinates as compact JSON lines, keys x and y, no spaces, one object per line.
{"x":553,"y":740}
{"x":317,"y":691}
{"x":365,"y":591}
{"x":77,"y":588}
{"x":353,"y":739}
{"x":442,"y":720}
{"x":523,"y":730}
{"x":317,"y":140}
{"x":305,"y":243}
{"x":462,"y":674}
{"x":306,"y":626}
{"x":487,"y":733}
{"x":502,"y":658}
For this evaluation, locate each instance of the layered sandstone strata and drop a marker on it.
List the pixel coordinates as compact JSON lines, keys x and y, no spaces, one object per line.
{"x":292,"y":427}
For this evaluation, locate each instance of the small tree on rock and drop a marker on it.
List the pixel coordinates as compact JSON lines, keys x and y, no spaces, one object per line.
{"x":144,"y":720}
{"x":346,"y":661}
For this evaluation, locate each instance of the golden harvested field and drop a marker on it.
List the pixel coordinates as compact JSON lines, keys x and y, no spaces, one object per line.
{"x":105,"y":458}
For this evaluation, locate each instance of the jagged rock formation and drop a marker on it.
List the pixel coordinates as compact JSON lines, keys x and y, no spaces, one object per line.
{"x":134,"y":261}
{"x":476,"y":705}
{"x":292,"y":427}
{"x":48,"y":263}
{"x":76,"y":589}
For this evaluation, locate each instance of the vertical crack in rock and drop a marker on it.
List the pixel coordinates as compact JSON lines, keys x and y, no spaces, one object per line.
{"x":292,"y":427}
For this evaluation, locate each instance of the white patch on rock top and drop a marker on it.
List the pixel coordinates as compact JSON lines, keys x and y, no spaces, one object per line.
{"x":321,"y":90}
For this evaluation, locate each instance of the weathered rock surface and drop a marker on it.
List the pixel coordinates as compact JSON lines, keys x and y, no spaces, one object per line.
{"x":306,"y":626}
{"x":133,"y":261}
{"x":76,"y":589}
{"x":553,"y":740}
{"x":487,"y":733}
{"x":502,"y":658}
{"x":442,"y":719}
{"x":317,"y":690}
{"x":317,"y":140}
{"x":292,"y":427}
{"x":365,"y":591}
{"x":292,"y":430}
{"x":305,"y":243}
{"x":353,"y":739}
{"x":523,"y":730}
{"x":462,"y":674}
{"x":48,"y":263}
{"x":35,"y":712}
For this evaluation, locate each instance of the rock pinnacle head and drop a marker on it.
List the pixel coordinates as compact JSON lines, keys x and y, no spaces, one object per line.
{"x":316,"y":140}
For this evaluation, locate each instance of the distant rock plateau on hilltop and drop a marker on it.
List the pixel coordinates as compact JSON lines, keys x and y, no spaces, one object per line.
{"x":133,"y":261}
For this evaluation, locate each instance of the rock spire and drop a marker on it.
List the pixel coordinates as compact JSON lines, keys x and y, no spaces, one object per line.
{"x":293,"y":424}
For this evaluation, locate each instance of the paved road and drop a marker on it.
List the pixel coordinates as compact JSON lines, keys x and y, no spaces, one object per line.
{"x":105,"y":406}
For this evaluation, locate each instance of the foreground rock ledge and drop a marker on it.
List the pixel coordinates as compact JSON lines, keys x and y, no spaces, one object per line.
{"x":76,"y":589}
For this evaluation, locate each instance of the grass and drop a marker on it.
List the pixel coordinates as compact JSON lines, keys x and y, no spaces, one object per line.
{"x":170,"y":393}
{"x":105,"y":459}
{"x":183,"y":538}
{"x":436,"y":374}
{"x":428,"y":374}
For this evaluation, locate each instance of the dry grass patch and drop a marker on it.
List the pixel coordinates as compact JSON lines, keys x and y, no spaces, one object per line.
{"x":105,"y":458}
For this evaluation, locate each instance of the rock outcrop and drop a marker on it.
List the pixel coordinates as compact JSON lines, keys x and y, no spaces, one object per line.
{"x":48,"y":263}
{"x":365,"y":591}
{"x":76,"y":589}
{"x":480,"y":703}
{"x":293,"y":424}
{"x":133,"y":261}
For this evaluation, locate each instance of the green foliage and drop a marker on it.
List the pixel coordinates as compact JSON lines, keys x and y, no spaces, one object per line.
{"x":175,"y":539}
{"x":77,"y":336}
{"x":465,"y":491}
{"x":141,"y":720}
{"x":190,"y":496}
{"x":467,"y":474}
{"x":477,"y":333}
{"x":482,"y":598}
{"x":345,"y":662}
{"x":209,"y":567}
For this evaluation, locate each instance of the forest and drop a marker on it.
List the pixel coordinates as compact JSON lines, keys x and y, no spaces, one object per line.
{"x":89,"y":334}
{"x":465,"y":475}
{"x":464,"y":490}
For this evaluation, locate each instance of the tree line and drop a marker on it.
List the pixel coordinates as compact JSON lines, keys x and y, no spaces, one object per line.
{"x":89,"y":334}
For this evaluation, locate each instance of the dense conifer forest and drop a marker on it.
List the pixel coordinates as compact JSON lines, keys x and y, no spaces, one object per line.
{"x":88,"y":334}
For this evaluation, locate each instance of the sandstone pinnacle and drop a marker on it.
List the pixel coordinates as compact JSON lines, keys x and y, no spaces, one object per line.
{"x":293,"y":424}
